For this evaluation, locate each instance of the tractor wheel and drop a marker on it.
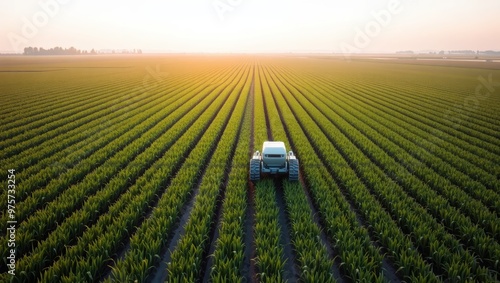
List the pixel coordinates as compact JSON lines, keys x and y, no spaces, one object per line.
{"x":254,"y":170}
{"x":293,"y":170}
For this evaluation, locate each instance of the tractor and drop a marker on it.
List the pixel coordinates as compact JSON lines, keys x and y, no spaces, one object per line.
{"x":274,"y":160}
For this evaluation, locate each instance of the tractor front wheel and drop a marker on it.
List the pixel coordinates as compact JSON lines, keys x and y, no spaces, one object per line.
{"x":254,"y":170}
{"x":293,"y":170}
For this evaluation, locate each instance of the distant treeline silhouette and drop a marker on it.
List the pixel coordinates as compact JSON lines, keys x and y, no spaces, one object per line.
{"x":72,"y":51}
{"x":455,"y":52}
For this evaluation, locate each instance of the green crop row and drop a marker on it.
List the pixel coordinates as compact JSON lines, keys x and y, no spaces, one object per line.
{"x":62,"y":102}
{"x":65,"y":122}
{"x":122,"y":218}
{"x":62,"y":92}
{"x":441,"y":247}
{"x":453,"y":89}
{"x":311,"y":255}
{"x":42,"y":221}
{"x":151,"y":237}
{"x":429,"y":136}
{"x":425,"y":100}
{"x":465,"y":174}
{"x":269,"y":261}
{"x":228,"y":255}
{"x":360,"y":260}
{"x":446,"y":128}
{"x":96,"y":204}
{"x":121,"y":108}
{"x":435,"y":113}
{"x":140,"y":122}
{"x":399,"y":247}
{"x":188,"y":255}
{"x":412,"y":169}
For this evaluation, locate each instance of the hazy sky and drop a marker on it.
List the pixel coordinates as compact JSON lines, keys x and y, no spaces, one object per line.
{"x":251,"y":25}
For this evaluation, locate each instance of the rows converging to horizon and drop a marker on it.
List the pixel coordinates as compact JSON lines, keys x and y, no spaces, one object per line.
{"x":136,"y":168}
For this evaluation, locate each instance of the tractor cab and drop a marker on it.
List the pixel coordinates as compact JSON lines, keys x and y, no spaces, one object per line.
{"x":274,"y":155}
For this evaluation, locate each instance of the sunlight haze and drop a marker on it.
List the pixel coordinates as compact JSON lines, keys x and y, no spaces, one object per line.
{"x":251,"y":26}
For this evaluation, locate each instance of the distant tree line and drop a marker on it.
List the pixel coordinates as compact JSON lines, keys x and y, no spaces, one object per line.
{"x":478,"y":52}
{"x":71,"y":51}
{"x":56,"y":51}
{"x":456,"y":52}
{"x":489,"y":52}
{"x":405,"y":52}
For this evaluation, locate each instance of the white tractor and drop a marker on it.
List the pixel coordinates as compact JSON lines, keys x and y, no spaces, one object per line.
{"x":274,"y":160}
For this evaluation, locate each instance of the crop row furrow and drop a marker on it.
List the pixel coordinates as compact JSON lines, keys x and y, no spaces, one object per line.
{"x":426,"y":137}
{"x":269,"y":251}
{"x":229,"y":248}
{"x":435,"y":115}
{"x":151,"y":237}
{"x":361,"y":260}
{"x":461,"y":226}
{"x":189,"y":254}
{"x":470,"y":115}
{"x":42,"y":221}
{"x":429,"y":235}
{"x":118,"y":221}
{"x":119,"y":109}
{"x":451,"y":126}
{"x":399,"y":247}
{"x":422,"y":100}
{"x":129,"y":133}
{"x":337,"y":110}
{"x":125,"y":214}
{"x":460,"y":93}
{"x":312,"y":257}
{"x":60,"y":100}
{"x":64,"y":156}
{"x":28,"y":134}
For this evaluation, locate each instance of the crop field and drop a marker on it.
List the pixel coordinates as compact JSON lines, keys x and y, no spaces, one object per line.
{"x":136,"y":169}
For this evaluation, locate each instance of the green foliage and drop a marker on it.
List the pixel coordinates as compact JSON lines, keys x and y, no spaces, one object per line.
{"x":401,"y":168}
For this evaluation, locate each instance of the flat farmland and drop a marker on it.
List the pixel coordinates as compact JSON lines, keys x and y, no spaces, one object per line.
{"x":136,"y":169}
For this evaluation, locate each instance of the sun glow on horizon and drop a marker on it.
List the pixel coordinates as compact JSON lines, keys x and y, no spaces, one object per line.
{"x":251,"y":26}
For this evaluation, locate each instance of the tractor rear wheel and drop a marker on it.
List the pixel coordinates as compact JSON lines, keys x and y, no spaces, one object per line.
{"x":293,"y":170}
{"x":254,"y":170}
